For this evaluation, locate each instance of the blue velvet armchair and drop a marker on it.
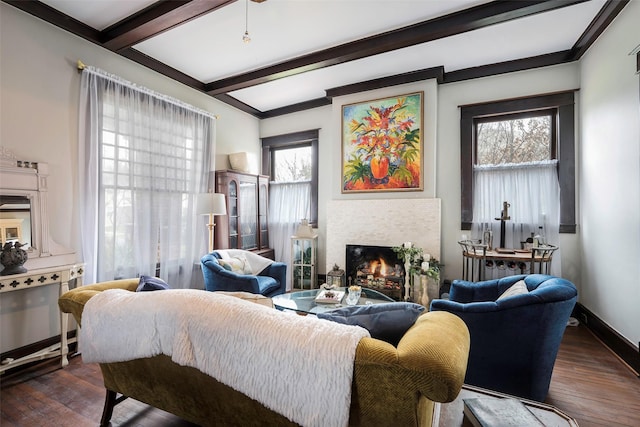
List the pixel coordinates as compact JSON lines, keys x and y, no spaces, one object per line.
{"x":514,"y":340}
{"x":270,"y":281}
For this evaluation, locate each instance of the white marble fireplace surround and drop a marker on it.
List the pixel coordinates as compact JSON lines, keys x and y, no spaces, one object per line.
{"x":381,"y":222}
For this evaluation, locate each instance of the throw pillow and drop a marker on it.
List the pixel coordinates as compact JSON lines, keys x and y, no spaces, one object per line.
{"x":517,"y":288}
{"x":387,"y":321}
{"x":237,"y":264}
{"x":148,"y":283}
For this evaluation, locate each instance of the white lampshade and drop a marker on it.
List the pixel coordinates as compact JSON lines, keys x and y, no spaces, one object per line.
{"x":211,"y":204}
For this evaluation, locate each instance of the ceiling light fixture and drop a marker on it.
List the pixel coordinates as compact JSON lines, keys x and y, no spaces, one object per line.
{"x":245,"y":37}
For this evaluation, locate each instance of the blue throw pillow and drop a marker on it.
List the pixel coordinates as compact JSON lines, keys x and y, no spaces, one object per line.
{"x":387,"y":321}
{"x":148,"y":283}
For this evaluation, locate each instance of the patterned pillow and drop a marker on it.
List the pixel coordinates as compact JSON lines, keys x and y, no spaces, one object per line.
{"x":238,"y":264}
{"x":387,"y":322}
{"x":148,"y":283}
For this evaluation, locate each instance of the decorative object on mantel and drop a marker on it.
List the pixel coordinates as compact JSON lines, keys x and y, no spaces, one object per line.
{"x":13,"y":258}
{"x":336,"y":277}
{"x":427,"y":285}
{"x":410,"y":255}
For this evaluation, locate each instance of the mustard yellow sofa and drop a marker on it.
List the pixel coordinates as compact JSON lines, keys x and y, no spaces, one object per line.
{"x":392,"y":386}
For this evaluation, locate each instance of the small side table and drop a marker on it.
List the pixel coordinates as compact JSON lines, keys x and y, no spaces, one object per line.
{"x":450,"y":414}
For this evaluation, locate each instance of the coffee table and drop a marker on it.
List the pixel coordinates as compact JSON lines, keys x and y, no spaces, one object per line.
{"x":304,"y":301}
{"x":450,"y":414}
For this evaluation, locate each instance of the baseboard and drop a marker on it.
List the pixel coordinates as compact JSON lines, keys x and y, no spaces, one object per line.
{"x":622,"y":347}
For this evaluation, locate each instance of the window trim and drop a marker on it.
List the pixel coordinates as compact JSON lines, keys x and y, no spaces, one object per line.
{"x":292,"y":140}
{"x":564,"y":104}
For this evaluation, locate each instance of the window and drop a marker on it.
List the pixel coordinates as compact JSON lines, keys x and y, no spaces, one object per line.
{"x":294,"y":158}
{"x":520,"y":130}
{"x":515,"y":138}
{"x":292,"y":164}
{"x":144,"y":158}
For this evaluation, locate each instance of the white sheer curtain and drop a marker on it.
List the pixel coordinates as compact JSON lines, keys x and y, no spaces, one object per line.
{"x":143,"y":159}
{"x":289,"y":203}
{"x":532,"y":190}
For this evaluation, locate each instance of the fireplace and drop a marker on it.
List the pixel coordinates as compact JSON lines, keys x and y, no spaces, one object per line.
{"x":375,"y":267}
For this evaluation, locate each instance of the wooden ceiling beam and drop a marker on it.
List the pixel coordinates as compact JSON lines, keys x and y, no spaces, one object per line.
{"x":448,"y":25}
{"x":156,"y":19}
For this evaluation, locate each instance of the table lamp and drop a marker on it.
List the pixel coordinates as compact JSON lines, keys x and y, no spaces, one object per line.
{"x":212,"y":204}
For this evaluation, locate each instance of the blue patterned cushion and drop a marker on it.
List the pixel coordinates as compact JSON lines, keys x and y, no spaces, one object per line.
{"x":387,"y":321}
{"x":148,"y":283}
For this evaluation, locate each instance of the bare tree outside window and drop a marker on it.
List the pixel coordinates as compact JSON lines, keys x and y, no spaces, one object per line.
{"x":292,"y":164}
{"x":514,"y":141}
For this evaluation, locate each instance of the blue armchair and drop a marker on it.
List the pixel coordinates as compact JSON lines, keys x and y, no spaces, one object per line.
{"x":514,"y":340}
{"x":269,"y":281}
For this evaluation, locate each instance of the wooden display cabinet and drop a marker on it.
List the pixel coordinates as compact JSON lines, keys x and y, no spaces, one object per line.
{"x":246,"y":225}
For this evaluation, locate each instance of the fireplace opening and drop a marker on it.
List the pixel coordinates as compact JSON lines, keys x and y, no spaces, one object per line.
{"x":375,"y":267}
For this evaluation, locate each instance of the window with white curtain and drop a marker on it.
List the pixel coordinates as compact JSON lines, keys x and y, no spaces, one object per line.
{"x":519,"y":131}
{"x":291,"y":160}
{"x":515,"y":163}
{"x":521,"y":152}
{"x":144,"y":158}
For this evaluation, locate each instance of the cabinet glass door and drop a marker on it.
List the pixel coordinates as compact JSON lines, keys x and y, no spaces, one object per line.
{"x":233,"y":214}
{"x":262,"y":211}
{"x":249,"y":215}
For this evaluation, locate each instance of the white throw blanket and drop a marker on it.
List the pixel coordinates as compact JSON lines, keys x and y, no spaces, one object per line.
{"x":300,"y":367}
{"x":255,"y":261}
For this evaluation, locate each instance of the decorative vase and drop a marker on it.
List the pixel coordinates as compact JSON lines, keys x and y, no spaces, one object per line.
{"x":433,"y":288}
{"x":13,"y":259}
{"x":379,"y":167}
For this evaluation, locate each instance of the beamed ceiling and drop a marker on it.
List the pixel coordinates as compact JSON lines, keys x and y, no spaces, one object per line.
{"x":305,"y":52}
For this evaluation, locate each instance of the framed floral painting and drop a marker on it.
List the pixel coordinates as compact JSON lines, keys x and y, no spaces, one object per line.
{"x":382,"y":144}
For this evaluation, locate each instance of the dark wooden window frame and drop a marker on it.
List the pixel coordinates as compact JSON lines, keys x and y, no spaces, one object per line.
{"x":292,"y":140}
{"x":563,"y":104}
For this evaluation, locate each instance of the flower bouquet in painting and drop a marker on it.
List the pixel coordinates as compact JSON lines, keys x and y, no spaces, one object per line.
{"x":382,"y":145}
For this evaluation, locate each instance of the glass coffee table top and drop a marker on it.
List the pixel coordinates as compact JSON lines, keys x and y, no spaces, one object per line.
{"x":304,"y":301}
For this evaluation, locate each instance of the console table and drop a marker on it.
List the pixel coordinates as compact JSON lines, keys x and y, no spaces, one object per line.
{"x":476,"y":258}
{"x":60,"y":275}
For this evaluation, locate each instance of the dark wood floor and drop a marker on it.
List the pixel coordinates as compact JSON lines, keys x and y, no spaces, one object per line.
{"x":589,"y":383}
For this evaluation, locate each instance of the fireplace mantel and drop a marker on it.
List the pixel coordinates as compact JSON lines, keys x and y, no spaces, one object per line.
{"x":381,"y":222}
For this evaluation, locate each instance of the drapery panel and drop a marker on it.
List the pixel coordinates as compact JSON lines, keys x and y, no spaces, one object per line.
{"x":289,"y":203}
{"x":143,"y":159}
{"x":533,"y":192}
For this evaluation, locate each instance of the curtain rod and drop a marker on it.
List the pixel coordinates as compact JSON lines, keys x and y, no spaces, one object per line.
{"x":81,"y":67}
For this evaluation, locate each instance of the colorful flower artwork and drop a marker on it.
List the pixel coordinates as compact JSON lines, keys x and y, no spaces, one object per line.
{"x":382,"y":145}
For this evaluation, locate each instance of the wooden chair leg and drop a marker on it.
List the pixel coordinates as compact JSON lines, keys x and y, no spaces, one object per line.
{"x":107,"y":412}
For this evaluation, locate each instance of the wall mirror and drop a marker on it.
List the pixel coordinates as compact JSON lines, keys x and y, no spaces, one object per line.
{"x":15,"y":220}
{"x":23,"y":210}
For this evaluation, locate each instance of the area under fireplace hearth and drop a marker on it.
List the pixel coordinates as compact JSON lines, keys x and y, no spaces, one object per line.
{"x":375,"y":267}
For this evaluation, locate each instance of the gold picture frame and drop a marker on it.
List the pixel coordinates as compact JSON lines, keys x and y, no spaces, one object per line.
{"x":382,"y":144}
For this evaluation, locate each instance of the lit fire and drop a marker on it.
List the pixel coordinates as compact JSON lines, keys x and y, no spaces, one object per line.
{"x":378,"y":268}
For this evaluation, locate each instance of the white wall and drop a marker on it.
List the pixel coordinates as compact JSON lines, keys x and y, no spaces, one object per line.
{"x":610,"y":176}
{"x":327,"y":119}
{"x":39,"y":88}
{"x":453,"y":95}
{"x":444,"y":145}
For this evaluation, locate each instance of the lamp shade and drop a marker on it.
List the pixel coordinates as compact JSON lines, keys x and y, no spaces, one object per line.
{"x":211,"y":204}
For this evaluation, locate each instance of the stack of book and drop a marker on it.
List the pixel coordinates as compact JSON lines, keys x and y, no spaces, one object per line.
{"x":499,"y":412}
